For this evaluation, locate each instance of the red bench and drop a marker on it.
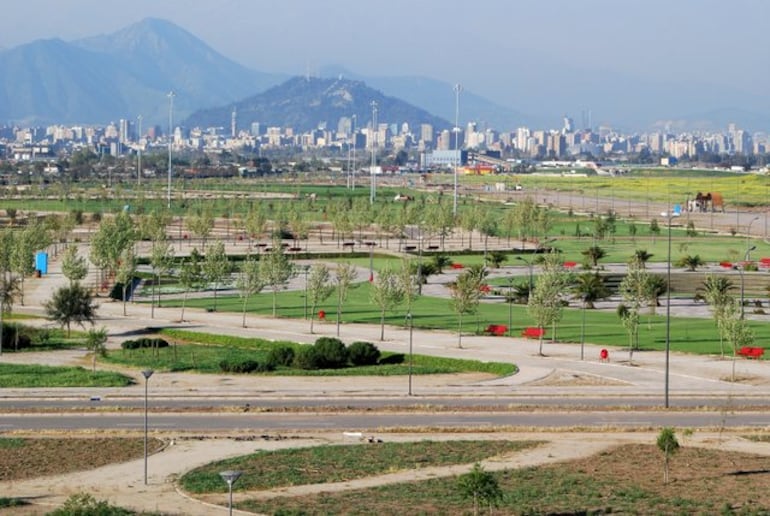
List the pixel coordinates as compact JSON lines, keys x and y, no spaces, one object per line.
{"x":496,"y":329}
{"x":457,"y":266}
{"x":751,"y":352}
{"x":533,"y":333}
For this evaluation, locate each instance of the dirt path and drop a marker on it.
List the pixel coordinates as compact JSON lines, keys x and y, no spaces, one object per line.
{"x":122,"y":484}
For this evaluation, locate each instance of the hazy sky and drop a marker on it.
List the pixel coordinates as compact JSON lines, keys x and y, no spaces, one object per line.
{"x":484,"y":44}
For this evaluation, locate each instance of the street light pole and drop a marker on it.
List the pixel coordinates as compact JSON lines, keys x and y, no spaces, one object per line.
{"x":668,"y":311}
{"x":146,"y":373}
{"x":510,"y":304}
{"x":458,"y":88}
{"x":411,"y":332}
{"x":373,"y":186}
{"x":171,"y":96}
{"x":139,"y":153}
{"x":231,"y":477}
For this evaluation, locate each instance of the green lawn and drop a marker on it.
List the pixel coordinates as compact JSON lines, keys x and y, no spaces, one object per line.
{"x":692,"y":335}
{"x":339,"y":463}
{"x":37,"y":376}
{"x":203,"y":352}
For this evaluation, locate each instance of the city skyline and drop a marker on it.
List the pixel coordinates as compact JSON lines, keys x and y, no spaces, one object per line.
{"x":631,"y":64}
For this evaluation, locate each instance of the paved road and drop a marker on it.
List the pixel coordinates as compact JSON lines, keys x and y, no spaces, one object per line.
{"x":367,"y":422}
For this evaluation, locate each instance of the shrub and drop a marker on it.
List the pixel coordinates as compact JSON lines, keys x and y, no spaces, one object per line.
{"x":395,"y":358}
{"x":307,"y":358}
{"x":15,"y":337}
{"x":332,"y":353}
{"x":363,"y":353}
{"x":242,"y":366}
{"x":280,"y":356}
{"x":144,"y":342}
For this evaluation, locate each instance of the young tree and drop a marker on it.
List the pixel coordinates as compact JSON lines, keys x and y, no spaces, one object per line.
{"x":480,"y":486}
{"x":249,"y":282}
{"x":736,"y":330}
{"x":201,"y":223}
{"x":716,"y":292}
{"x":343,"y":279}
{"x":387,"y":293}
{"x":690,"y":262}
{"x":74,"y":267}
{"x":216,"y":267}
{"x":668,"y":444}
{"x":95,"y":342}
{"x":161,"y":261}
{"x":9,"y":289}
{"x":191,"y":276}
{"x":545,"y":301}
{"x":635,"y":291}
{"x":593,"y":254}
{"x":588,"y":288}
{"x":465,"y":294}
{"x":319,"y":288}
{"x":125,"y":273}
{"x":23,"y":257}
{"x":410,"y":277}
{"x":275,"y":269}
{"x":640,"y":258}
{"x":71,"y":304}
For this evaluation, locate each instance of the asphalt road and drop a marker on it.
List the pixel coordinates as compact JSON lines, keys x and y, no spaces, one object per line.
{"x":286,"y":422}
{"x":414,"y":403}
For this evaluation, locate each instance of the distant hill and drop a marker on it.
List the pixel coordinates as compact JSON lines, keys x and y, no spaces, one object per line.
{"x":308,"y":103}
{"x":120,"y":75}
{"x":439,"y":97}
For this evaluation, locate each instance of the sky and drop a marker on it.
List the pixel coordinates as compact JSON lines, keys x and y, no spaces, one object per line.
{"x":501,"y":49}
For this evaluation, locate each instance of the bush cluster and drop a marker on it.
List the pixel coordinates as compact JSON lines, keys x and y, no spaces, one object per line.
{"x":363,"y":354}
{"x":243,"y":366}
{"x":331,"y":353}
{"x":280,"y":356}
{"x":17,"y":337}
{"x":144,"y":342}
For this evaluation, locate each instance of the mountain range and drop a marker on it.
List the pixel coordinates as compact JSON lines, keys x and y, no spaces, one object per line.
{"x":130,"y":73}
{"x":121,"y":75}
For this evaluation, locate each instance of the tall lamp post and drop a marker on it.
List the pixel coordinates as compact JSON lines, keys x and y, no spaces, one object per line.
{"x":411,"y":333}
{"x":171,"y":96}
{"x":668,"y":215}
{"x":458,"y":88}
{"x":373,"y":185}
{"x":139,"y":152}
{"x":231,"y":477}
{"x":146,"y":373}
{"x":510,"y":304}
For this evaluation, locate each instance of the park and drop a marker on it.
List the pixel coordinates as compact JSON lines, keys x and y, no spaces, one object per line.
{"x":544,"y":298}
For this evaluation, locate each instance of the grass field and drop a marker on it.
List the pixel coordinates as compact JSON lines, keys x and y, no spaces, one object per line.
{"x":691,"y":335}
{"x":339,"y":463}
{"x":624,"y":480}
{"x":203,"y":352}
{"x":39,"y":376}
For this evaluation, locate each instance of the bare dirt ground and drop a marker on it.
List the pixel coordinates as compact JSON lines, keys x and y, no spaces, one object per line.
{"x":121,"y":482}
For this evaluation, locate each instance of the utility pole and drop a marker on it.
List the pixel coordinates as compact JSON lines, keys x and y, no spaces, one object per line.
{"x":458,"y":88}
{"x":171,"y":96}
{"x":373,"y":189}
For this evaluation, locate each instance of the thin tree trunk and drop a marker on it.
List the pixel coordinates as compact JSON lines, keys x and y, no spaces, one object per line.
{"x":382,"y":325}
{"x":460,"y":331}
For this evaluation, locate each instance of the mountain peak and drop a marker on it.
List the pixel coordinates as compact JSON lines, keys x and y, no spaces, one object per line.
{"x":307,"y":103}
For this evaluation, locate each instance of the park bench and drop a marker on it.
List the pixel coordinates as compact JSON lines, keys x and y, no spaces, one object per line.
{"x":751,"y":352}
{"x":533,"y":333}
{"x":457,"y":266}
{"x":496,"y":329}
